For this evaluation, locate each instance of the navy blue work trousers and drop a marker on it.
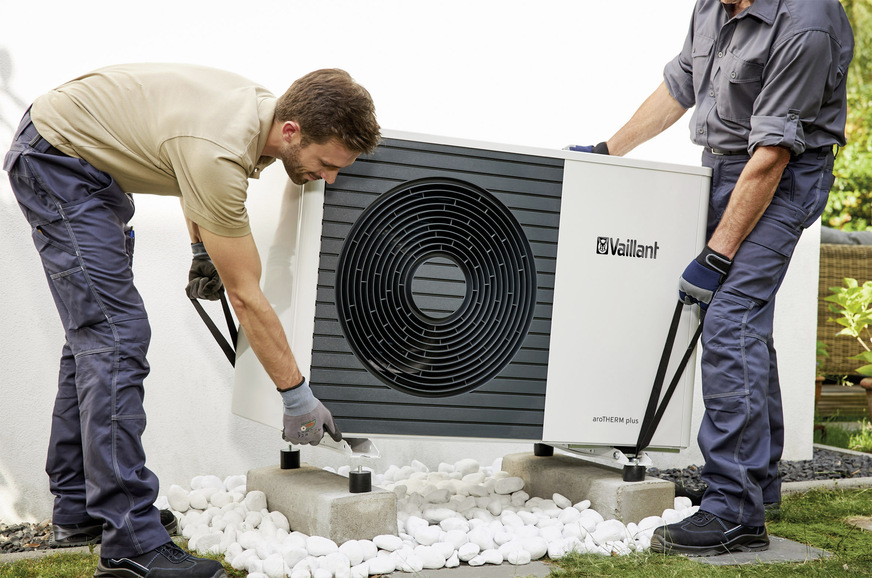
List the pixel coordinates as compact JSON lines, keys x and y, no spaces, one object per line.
{"x":742,"y":431}
{"x":96,"y":463}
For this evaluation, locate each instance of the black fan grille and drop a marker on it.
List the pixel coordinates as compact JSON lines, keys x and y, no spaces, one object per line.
{"x":415,"y":350}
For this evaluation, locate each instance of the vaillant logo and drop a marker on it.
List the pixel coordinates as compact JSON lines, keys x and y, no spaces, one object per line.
{"x":626,"y":248}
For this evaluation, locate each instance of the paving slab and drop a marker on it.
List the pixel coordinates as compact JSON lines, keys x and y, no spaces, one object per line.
{"x":780,"y":550}
{"x":536,"y":569}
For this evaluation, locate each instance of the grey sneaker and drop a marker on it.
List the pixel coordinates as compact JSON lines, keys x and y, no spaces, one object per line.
{"x":167,"y":561}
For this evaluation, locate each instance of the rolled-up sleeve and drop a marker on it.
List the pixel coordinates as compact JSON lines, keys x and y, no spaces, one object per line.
{"x":798,"y":79}
{"x":678,"y":74}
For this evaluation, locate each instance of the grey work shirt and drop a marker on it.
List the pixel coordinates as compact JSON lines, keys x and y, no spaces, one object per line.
{"x":774,"y":75}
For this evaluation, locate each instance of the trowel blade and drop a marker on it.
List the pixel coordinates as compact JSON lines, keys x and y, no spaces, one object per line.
{"x":354,"y":447}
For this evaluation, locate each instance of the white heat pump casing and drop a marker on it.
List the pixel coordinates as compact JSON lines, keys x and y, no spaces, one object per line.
{"x":610,"y":312}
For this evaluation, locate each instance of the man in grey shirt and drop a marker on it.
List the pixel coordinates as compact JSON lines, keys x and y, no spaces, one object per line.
{"x":767,"y":80}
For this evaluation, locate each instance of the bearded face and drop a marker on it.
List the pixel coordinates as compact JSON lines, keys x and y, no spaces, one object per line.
{"x":314,"y":161}
{"x":291,"y":158}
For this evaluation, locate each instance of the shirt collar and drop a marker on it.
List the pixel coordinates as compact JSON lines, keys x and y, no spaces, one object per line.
{"x":764,"y":10}
{"x":266,"y":112}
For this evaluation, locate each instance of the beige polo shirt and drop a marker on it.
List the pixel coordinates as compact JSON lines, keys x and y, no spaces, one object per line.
{"x":167,"y":129}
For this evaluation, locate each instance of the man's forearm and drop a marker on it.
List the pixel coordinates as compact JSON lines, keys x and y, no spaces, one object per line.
{"x":750,"y":198}
{"x":657,"y":113}
{"x":238,"y":263}
{"x":267,"y":338}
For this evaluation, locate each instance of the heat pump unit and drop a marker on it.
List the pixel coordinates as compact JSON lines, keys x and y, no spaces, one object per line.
{"x":459,"y":289}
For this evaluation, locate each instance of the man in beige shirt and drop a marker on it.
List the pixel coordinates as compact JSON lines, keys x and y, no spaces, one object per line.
{"x":168,"y":129}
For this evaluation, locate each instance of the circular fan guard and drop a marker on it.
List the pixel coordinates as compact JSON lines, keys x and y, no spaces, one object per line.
{"x":405,"y":347}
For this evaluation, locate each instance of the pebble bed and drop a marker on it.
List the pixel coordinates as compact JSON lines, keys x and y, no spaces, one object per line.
{"x":460,"y":513}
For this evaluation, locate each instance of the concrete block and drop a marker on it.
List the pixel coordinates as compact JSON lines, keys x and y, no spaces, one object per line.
{"x":579,"y":480}
{"x":318,"y":503}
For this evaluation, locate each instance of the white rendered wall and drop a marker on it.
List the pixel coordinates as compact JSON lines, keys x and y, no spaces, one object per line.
{"x":521,"y":73}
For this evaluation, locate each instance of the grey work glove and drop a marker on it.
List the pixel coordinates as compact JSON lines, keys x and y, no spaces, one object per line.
{"x":306,"y":419}
{"x":203,"y":279}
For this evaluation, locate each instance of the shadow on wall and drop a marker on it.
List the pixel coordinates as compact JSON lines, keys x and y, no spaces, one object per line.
{"x":11,"y":105}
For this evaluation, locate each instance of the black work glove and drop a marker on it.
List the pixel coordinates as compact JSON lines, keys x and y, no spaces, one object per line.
{"x":703,"y":277}
{"x":203,"y":279}
{"x":599,"y":149}
{"x":306,"y":419}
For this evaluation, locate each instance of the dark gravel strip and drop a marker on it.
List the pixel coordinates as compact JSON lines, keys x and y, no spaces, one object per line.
{"x":825,"y":465}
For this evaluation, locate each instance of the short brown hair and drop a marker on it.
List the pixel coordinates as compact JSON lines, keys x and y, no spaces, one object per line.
{"x":328,"y":104}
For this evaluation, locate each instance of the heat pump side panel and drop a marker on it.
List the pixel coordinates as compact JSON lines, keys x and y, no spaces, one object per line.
{"x":626,"y":235}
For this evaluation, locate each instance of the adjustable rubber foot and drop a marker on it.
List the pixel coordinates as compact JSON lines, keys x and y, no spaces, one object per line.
{"x":359,"y":481}
{"x":543,"y":450}
{"x":633,"y":473}
{"x":290,"y":459}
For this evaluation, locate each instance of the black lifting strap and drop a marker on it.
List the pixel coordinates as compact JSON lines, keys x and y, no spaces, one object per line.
{"x":229,"y":348}
{"x":654,"y":413}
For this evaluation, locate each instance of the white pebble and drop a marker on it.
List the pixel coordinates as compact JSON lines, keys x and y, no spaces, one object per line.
{"x":198,"y":500}
{"x":671,"y":516}
{"x":370,"y":550}
{"x":569,"y":515}
{"x":439,"y":515}
{"x":682,"y":503}
{"x":536,"y":546}
{"x":240,"y":561}
{"x":381,"y":565}
{"x":428,"y":535}
{"x":292,"y":555}
{"x":487,"y":557}
{"x":467,"y":466}
{"x":253,"y":519}
{"x":456,"y":538}
{"x":431,"y":557}
{"x":468,"y":551}
{"x":319,"y":546}
{"x":438,"y":496}
{"x":353,"y":551}
{"x":231,"y":483}
{"x":220,"y":499}
{"x":336,"y":562}
{"x":453,"y":561}
{"x":177,"y":497}
{"x":482,"y":537}
{"x":518,"y":557}
{"x":248,"y":540}
{"x":650,"y":523}
{"x":561,"y":501}
{"x":255,"y":501}
{"x":452,"y":524}
{"x":520,"y":498}
{"x":508,"y":485}
{"x":360,"y":571}
{"x":388,"y":542}
{"x":407,"y":561}
{"x":274,"y":566}
{"x":610,"y":531}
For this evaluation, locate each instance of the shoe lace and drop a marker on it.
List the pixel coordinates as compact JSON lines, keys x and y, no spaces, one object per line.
{"x":701,"y":518}
{"x":172,"y":552}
